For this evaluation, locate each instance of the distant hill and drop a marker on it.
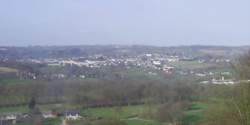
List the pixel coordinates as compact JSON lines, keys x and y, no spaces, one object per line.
{"x":115,"y":50}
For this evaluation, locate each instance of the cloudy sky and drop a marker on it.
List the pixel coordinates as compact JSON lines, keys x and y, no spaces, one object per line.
{"x":149,"y":22}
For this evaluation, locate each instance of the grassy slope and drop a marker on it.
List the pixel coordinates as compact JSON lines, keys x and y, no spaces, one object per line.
{"x":194,"y":114}
{"x":123,"y":113}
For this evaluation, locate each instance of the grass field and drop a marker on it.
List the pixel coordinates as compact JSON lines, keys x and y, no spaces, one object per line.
{"x":190,"y":65}
{"x":56,"y":121}
{"x":21,"y":109}
{"x":132,"y":115}
{"x":7,"y":70}
{"x":14,"y":81}
{"x":194,"y":114}
{"x":142,"y":122}
{"x":122,"y":112}
{"x":137,"y":73}
{"x":25,"y":109}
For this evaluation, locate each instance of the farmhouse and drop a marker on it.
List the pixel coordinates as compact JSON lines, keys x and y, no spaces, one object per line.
{"x":49,"y":114}
{"x":72,"y":115}
{"x":9,"y":117}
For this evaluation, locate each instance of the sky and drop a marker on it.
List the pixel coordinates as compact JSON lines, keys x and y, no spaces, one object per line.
{"x":129,"y":22}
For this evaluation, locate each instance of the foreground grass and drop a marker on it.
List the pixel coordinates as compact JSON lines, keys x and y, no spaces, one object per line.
{"x":141,"y":122}
{"x":132,"y":115}
{"x":194,"y":114}
{"x":121,"y":112}
{"x":56,"y":121}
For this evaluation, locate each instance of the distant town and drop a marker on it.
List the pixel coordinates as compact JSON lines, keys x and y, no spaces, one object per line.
{"x":197,"y":61}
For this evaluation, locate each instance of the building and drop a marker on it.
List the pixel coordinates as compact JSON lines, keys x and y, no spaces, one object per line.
{"x":9,"y":117}
{"x":49,"y":114}
{"x":72,"y":115}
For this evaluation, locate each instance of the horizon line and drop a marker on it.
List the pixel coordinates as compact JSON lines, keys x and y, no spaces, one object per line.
{"x":73,"y":45}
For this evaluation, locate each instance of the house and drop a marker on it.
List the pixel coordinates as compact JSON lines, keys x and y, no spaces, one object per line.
{"x":82,"y":76}
{"x":156,"y":62}
{"x":149,"y":55}
{"x":168,"y":69}
{"x":72,"y":115}
{"x":200,"y":74}
{"x":49,"y":114}
{"x":9,"y":117}
{"x":223,"y":81}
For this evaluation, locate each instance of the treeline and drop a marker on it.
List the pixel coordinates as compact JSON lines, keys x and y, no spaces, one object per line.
{"x":92,"y":93}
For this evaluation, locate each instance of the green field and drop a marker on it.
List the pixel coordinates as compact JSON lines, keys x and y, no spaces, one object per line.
{"x":190,"y":65}
{"x":121,"y":112}
{"x":142,"y":122}
{"x":194,"y":114}
{"x":14,"y":81}
{"x":56,"y":121}
{"x":25,"y":109}
{"x":21,"y":109}
{"x":132,"y":115}
{"x":7,"y":70}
